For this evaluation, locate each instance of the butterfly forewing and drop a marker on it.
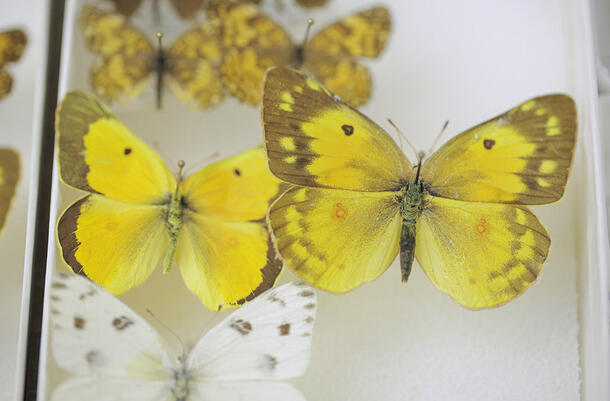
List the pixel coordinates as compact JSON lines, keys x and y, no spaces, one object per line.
{"x":522,"y":156}
{"x":267,"y":339}
{"x":98,"y":154}
{"x":310,"y":135}
{"x":109,"y":349}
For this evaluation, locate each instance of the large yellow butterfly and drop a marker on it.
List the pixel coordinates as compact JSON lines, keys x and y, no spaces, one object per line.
{"x":12,"y":45}
{"x":9,"y":175}
{"x":137,"y":212}
{"x":128,"y":60}
{"x":461,"y":214}
{"x":253,"y":42}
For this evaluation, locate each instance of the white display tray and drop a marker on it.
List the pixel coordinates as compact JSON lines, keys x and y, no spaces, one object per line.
{"x":464,"y":61}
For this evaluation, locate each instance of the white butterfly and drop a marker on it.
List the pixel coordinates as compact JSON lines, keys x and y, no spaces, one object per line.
{"x":113,"y":354}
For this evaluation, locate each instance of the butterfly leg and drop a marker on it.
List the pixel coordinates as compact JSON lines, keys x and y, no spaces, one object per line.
{"x":407,"y":249}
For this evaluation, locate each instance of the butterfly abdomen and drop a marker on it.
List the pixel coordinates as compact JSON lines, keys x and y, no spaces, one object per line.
{"x":174,"y":224}
{"x":411,"y":206}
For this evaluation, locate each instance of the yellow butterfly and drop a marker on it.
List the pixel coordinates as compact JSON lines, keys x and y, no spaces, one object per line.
{"x":137,"y":212}
{"x":128,"y":60}
{"x":12,"y":45}
{"x":253,"y":42}
{"x":9,"y":176}
{"x":461,"y":214}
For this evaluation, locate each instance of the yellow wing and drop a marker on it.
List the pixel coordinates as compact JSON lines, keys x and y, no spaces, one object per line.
{"x":98,"y":154}
{"x":253,"y":43}
{"x":363,"y":34}
{"x":193,"y":67}
{"x":12,"y":45}
{"x":235,"y":189}
{"x":480,"y":254}
{"x":224,"y":251}
{"x":521,"y":157}
{"x":126,"y":56}
{"x":312,"y":138}
{"x":9,"y":176}
{"x":115,"y":244}
{"x":334,"y":239}
{"x":331,"y":54}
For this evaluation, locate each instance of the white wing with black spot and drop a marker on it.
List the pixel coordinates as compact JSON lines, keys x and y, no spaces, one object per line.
{"x":267,"y":339}
{"x":112,"y":353}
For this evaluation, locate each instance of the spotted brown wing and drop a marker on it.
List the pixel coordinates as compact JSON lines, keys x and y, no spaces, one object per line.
{"x":254,"y":42}
{"x":126,"y":57}
{"x":193,"y":67}
{"x":12,"y":46}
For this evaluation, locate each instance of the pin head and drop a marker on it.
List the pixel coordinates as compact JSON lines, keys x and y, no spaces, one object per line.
{"x":181,"y":164}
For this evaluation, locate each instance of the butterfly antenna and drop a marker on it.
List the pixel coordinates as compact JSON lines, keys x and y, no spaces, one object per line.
{"x":162,"y":153}
{"x":438,"y":137}
{"x":172,"y":332}
{"x":299,"y":57}
{"x":203,"y":161}
{"x":310,"y":23}
{"x":402,"y":136}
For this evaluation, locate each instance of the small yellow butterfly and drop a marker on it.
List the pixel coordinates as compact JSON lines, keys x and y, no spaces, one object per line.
{"x":461,"y":214}
{"x":137,"y":212}
{"x":253,"y":42}
{"x":128,"y":60}
{"x":12,"y":45}
{"x":9,"y":176}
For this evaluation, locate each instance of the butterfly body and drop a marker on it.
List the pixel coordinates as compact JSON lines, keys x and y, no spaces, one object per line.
{"x":411,"y":199}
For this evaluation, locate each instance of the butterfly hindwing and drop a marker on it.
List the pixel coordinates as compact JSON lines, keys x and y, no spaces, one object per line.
{"x":336,"y":239}
{"x":481,"y":254}
{"x":521,"y":157}
{"x":310,"y":135}
{"x":126,"y":55}
{"x":116,"y":244}
{"x":9,"y":176}
{"x":98,"y":154}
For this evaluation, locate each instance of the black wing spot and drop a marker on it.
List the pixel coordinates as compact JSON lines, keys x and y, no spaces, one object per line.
{"x":237,"y":172}
{"x":347,"y":129}
{"x":489,"y":143}
{"x":127,"y":151}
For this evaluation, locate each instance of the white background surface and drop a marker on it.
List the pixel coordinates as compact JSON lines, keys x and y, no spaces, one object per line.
{"x":463,"y":61}
{"x":16,"y":132}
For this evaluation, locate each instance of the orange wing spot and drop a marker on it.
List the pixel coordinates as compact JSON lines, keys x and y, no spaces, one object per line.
{"x":482,"y":226}
{"x":233,"y":243}
{"x":339,"y":211}
{"x":111,"y":225}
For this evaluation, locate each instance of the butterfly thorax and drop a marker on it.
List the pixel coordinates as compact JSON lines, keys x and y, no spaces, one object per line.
{"x":180,"y":389}
{"x":174,"y":222}
{"x":412,"y":199}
